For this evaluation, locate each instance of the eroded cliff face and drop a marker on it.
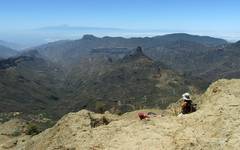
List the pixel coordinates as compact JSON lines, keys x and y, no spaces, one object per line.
{"x":215,"y":125}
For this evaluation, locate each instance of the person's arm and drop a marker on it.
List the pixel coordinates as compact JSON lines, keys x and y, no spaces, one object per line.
{"x":184,"y":104}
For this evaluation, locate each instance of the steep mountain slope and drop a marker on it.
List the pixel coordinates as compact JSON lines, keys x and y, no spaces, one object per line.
{"x":120,"y":85}
{"x":182,"y":56}
{"x":28,"y":84}
{"x":6,"y":52}
{"x":116,"y":81}
{"x":220,"y":63}
{"x":191,"y":59}
{"x":214,"y":126}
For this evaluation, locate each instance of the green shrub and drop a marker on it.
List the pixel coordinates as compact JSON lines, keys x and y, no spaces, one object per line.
{"x":100,"y":106}
{"x":17,"y":132}
{"x":32,"y":129}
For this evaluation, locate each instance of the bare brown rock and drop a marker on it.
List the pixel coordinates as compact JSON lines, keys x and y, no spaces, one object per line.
{"x":216,"y":125}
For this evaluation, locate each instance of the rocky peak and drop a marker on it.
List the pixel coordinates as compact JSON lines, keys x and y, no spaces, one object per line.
{"x":138,"y":52}
{"x":135,"y":54}
{"x":89,"y":37}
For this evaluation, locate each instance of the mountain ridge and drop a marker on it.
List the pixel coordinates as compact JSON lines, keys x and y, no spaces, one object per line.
{"x":6,"y":52}
{"x":70,"y":51}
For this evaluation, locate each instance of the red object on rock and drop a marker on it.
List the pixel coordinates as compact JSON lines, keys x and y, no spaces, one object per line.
{"x":143,"y":115}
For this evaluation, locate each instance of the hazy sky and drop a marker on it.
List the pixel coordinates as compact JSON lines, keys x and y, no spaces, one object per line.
{"x":220,"y":17}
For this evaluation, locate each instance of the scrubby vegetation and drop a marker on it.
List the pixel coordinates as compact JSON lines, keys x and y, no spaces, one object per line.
{"x":32,"y":129}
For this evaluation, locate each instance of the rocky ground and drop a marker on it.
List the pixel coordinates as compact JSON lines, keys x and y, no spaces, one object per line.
{"x":215,"y":125}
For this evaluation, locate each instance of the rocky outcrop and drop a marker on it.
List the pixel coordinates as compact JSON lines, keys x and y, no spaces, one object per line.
{"x":216,"y":125}
{"x":71,"y":130}
{"x":12,"y":134}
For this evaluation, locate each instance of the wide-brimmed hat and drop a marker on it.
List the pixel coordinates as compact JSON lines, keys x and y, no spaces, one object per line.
{"x":186,"y":96}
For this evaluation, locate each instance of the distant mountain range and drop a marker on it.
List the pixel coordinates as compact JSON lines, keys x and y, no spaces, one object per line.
{"x":111,"y":73}
{"x":6,"y":52}
{"x":181,"y":52}
{"x":11,"y":45}
{"x":65,"y":50}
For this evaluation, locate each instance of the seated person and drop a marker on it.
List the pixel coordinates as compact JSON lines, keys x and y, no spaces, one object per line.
{"x":187,"y":106}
